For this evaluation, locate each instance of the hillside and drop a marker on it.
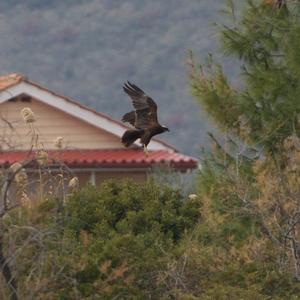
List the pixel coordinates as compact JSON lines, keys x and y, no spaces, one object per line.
{"x":87,"y":49}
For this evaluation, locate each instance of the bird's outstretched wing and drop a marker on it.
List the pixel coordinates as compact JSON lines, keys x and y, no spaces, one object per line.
{"x":145,"y":107}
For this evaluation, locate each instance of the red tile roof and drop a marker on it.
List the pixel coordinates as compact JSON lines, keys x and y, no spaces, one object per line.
{"x":10,"y":80}
{"x":131,"y":158}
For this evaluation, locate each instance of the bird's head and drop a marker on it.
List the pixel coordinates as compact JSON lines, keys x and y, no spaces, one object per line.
{"x":165,"y":128}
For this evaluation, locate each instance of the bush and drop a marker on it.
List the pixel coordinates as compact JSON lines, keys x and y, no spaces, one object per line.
{"x":113,"y":241}
{"x":128,"y":232}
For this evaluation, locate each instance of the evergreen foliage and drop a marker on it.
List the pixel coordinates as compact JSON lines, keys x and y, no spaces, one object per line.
{"x":266,"y":110}
{"x":109,"y":242}
{"x":249,"y":230}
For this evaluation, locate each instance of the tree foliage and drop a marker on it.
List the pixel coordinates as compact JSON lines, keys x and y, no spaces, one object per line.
{"x":105,"y":243}
{"x":265,"y":111}
{"x":249,"y":230}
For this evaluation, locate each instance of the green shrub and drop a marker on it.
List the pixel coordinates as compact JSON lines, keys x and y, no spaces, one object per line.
{"x":130,"y":228}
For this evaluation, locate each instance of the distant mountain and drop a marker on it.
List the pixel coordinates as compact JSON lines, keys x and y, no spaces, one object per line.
{"x":87,"y":49}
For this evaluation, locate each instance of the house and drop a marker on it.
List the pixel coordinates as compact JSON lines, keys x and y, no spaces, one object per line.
{"x":88,"y":142}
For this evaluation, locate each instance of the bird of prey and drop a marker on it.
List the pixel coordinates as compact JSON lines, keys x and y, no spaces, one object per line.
{"x":143,"y":118}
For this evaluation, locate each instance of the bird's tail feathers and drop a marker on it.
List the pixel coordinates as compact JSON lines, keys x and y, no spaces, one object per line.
{"x":130,"y":136}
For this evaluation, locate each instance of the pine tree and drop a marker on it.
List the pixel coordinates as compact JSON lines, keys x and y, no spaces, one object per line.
{"x":266,"y":40}
{"x":248,"y":240}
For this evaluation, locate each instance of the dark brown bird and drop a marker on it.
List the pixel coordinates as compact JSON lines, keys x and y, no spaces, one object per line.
{"x":143,"y":118}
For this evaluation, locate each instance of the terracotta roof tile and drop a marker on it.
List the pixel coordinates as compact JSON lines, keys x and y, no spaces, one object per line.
{"x":107,"y":158}
{"x":10,"y":80}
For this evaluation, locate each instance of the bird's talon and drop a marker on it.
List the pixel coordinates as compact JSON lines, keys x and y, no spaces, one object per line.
{"x":146,"y":150}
